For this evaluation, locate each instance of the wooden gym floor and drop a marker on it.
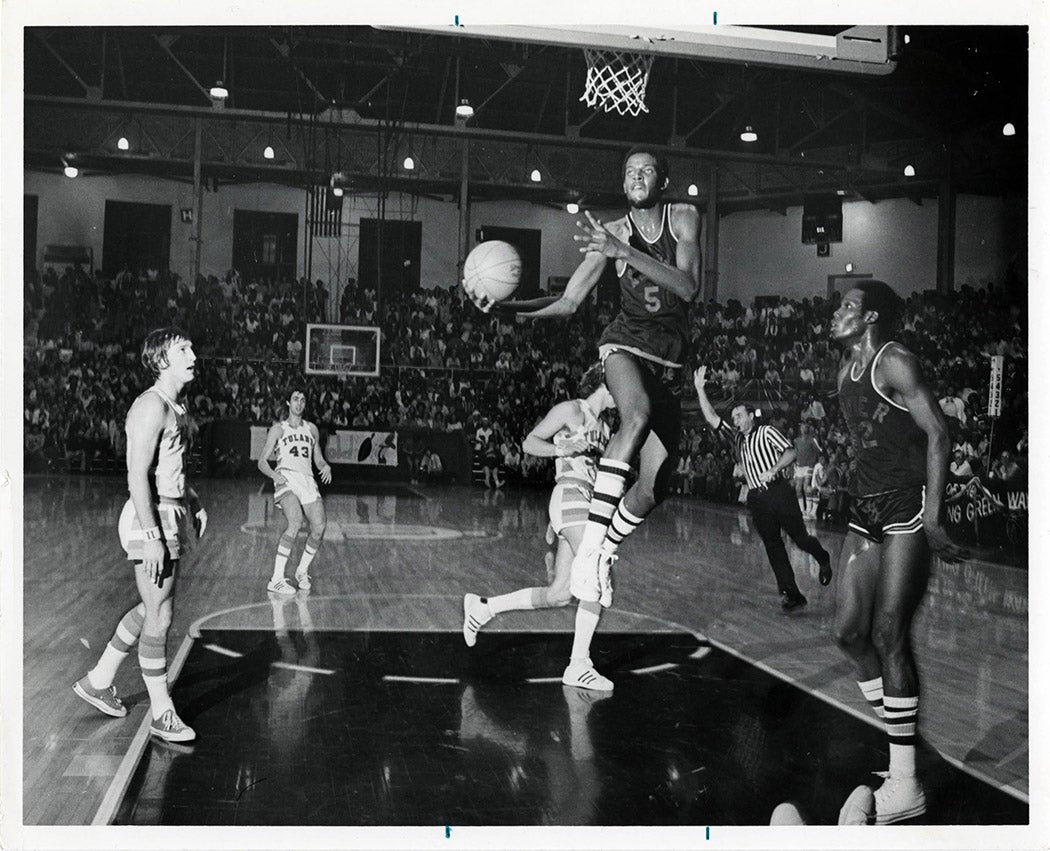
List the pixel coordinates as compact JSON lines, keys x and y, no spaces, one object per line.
{"x":748,"y":705}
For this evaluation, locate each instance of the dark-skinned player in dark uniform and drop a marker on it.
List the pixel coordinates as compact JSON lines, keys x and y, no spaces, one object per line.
{"x":657,"y":254}
{"x":898,"y":474}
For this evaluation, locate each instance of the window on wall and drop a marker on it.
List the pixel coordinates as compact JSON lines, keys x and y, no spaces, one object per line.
{"x":389,"y":253}
{"x":265,"y":244}
{"x":137,"y":236}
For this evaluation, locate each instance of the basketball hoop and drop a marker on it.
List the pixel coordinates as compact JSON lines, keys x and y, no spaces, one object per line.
{"x":616,"y":80}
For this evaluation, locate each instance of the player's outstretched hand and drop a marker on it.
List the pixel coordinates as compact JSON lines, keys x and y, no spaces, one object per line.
{"x":326,"y":474}
{"x":598,"y":238}
{"x":944,"y":547}
{"x":482,"y":301}
{"x":279,"y":479}
{"x":700,"y":378}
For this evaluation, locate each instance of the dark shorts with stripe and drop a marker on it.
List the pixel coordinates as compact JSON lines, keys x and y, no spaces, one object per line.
{"x":892,"y":513}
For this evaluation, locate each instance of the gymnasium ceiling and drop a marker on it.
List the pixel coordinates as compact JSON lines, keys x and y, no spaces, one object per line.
{"x":357,"y":99}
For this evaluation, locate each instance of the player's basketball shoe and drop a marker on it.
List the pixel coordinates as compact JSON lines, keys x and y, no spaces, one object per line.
{"x":581,"y":674}
{"x":303,"y":581}
{"x":475,"y":615}
{"x":103,"y":699}
{"x":281,"y":586}
{"x":899,"y":799}
{"x":859,"y":807}
{"x":584,"y":581}
{"x":605,"y":563}
{"x":171,"y":728}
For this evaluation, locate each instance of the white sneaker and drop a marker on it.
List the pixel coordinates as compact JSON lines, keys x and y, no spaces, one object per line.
{"x":303,"y":581}
{"x":475,"y":615}
{"x":605,"y":563}
{"x":899,"y":799}
{"x":859,"y":807}
{"x":281,"y":586}
{"x":584,"y":583}
{"x":171,"y":728}
{"x":581,"y":674}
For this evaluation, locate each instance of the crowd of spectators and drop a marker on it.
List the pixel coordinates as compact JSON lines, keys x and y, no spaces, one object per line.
{"x":446,"y":367}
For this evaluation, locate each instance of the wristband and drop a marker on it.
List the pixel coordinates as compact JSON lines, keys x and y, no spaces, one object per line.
{"x":151,"y":534}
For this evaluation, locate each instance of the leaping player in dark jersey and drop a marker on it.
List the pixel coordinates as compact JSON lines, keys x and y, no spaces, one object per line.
{"x":898,"y":473}
{"x":657,"y":254}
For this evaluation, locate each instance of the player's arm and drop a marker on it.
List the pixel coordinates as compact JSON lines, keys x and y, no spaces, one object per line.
{"x":577,"y":289}
{"x":143,"y":428}
{"x":683,"y":278}
{"x":706,"y":408}
{"x":264,"y":457}
{"x":900,"y":374}
{"x":319,"y":462}
{"x":540,"y":441}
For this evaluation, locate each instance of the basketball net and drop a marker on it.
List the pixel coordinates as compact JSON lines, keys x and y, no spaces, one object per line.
{"x":616,"y":80}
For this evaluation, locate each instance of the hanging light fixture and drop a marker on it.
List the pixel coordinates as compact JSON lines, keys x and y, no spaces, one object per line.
{"x":70,"y":171}
{"x":268,"y":152}
{"x":123,"y":144}
{"x":464,"y":110}
{"x":749,"y":134}
{"x":219,"y":91}
{"x":572,"y":207}
{"x":909,"y":170}
{"x":535,"y":177}
{"x":409,"y":164}
{"x":693,"y":190}
{"x":1009,"y":129}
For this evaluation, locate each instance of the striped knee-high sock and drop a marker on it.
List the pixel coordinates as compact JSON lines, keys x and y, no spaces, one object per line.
{"x":609,"y":486}
{"x":284,"y":550}
{"x":309,"y":551}
{"x":623,"y":524}
{"x":872,"y":690}
{"x":118,"y":648}
{"x":902,"y":716}
{"x":154,"y":666}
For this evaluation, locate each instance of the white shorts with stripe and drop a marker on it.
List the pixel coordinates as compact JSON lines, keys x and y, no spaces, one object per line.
{"x":176,"y":528}
{"x":804,"y":473}
{"x":569,"y":505}
{"x":302,"y":485}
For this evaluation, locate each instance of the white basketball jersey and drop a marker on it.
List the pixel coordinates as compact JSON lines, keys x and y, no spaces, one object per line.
{"x":582,"y":468}
{"x":169,"y":471}
{"x":295,"y":448}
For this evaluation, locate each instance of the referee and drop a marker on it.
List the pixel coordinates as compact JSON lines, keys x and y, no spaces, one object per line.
{"x":766,"y":455}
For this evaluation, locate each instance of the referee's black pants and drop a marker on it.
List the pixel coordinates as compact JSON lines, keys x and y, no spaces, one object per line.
{"x":775,"y":509}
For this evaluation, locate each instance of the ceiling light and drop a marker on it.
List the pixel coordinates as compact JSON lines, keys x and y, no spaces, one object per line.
{"x":123,"y":144}
{"x":1009,"y":129}
{"x":749,"y":134}
{"x":337,"y":191}
{"x":840,"y":191}
{"x":268,"y":152}
{"x":572,"y":207}
{"x":409,"y":164}
{"x":692,"y":190}
{"x":70,"y":171}
{"x":907,"y":39}
{"x":909,"y":170}
{"x":849,"y":267}
{"x":464,"y":110}
{"x":535,"y":177}
{"x":219,"y":91}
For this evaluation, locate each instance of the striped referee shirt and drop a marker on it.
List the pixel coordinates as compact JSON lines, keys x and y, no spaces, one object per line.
{"x":758,"y":451}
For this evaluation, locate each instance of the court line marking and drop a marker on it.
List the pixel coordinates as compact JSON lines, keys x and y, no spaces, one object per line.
{"x":118,"y":786}
{"x":397,"y":678}
{"x":223,"y":651}
{"x":976,"y":773}
{"x":291,"y":666}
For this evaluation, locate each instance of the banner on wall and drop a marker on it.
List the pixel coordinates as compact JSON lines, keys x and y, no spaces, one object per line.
{"x":988,"y":513}
{"x":374,"y":448}
{"x":362,"y":447}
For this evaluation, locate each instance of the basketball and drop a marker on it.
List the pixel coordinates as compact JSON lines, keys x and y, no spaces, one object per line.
{"x":493,"y":268}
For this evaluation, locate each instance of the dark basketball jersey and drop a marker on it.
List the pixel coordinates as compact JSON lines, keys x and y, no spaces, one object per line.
{"x":652,"y":320}
{"x":889,"y":448}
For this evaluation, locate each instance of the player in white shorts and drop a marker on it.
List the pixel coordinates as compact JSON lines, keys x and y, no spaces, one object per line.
{"x":295,"y":491}
{"x":574,"y":435}
{"x":155,"y":532}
